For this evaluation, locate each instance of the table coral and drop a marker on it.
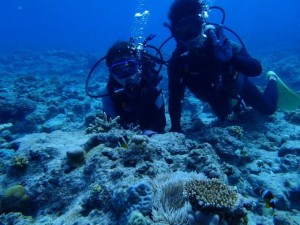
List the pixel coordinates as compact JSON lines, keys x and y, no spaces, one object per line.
{"x":213,"y":196}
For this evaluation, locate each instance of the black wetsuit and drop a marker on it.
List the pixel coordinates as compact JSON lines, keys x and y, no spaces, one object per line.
{"x":142,"y":105}
{"x":215,"y":82}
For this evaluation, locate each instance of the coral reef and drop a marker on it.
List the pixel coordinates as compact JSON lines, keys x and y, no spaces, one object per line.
{"x":204,"y":159}
{"x":75,"y":177}
{"x":5,"y":126}
{"x":137,"y":218}
{"x":135,"y":198}
{"x":99,"y":198}
{"x":286,"y":65}
{"x":15,"y":199}
{"x":102,"y":123}
{"x":19,"y":163}
{"x":16,"y":218}
{"x":24,"y":105}
{"x":293,"y":117}
{"x":237,"y":131}
{"x":137,"y":151}
{"x":200,"y":218}
{"x":214,"y":196}
{"x":76,"y":157}
{"x":169,"y":204}
{"x":5,"y":133}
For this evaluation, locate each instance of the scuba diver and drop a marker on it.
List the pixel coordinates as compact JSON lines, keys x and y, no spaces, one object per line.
{"x":212,"y":67}
{"x":132,"y":90}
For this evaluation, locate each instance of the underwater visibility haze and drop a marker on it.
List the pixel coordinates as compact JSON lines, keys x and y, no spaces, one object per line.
{"x":93,"y":25}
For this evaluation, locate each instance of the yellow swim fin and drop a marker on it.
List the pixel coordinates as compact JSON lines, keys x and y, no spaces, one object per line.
{"x":288,"y":99}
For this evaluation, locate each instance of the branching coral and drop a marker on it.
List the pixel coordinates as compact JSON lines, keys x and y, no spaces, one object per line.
{"x":102,"y":123}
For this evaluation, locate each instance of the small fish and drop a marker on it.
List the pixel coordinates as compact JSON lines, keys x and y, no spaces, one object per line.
{"x":123,"y":142}
{"x":268,"y":197}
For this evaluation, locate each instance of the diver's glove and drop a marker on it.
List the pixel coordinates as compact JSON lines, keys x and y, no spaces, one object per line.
{"x":222,"y":46}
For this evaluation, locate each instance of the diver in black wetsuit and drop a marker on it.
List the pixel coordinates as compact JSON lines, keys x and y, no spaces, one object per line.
{"x":133,"y":87}
{"x":212,"y":67}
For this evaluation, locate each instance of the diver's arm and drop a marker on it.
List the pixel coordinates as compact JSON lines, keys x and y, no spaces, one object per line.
{"x":176,"y":90}
{"x":226,"y":51}
{"x":156,"y":116}
{"x":244,"y":63}
{"x":109,"y":106}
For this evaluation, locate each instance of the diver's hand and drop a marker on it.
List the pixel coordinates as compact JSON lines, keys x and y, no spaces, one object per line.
{"x":222,"y":47}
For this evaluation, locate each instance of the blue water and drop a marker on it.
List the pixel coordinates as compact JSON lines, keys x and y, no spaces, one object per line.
{"x":94,"y":25}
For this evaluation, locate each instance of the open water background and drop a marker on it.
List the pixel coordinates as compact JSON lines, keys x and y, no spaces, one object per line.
{"x":94,"y":25}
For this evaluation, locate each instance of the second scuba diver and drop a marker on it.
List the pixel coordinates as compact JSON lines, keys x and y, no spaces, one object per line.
{"x":133,"y":87}
{"x":215,"y":69}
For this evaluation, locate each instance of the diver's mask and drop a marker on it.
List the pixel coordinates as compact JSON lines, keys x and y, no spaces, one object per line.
{"x":127,"y":73}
